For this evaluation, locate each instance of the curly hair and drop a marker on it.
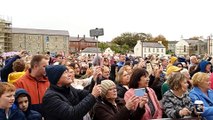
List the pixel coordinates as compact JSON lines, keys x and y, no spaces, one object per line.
{"x":175,"y":79}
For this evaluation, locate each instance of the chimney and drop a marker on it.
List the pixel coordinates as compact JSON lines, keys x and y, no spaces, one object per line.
{"x":78,"y":37}
{"x":84,"y":37}
{"x":160,"y":42}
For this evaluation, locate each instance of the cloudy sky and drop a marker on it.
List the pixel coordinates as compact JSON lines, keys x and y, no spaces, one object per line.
{"x":171,"y":18}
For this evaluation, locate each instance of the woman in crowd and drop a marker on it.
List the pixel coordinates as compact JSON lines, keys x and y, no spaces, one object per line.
{"x":202,"y":91}
{"x":8,"y":111}
{"x":111,"y":108}
{"x":123,"y":78}
{"x":169,"y":71}
{"x":140,"y":79}
{"x":176,"y":101}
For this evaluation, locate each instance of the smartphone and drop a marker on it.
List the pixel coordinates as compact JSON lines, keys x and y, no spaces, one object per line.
{"x":140,"y":92}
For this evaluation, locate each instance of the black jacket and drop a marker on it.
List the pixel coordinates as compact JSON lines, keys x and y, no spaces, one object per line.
{"x":66,"y":103}
{"x":104,"y":110}
{"x":121,"y":90}
{"x":29,"y":114}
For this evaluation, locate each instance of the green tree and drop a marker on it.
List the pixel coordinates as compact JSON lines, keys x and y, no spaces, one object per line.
{"x":103,"y":46}
{"x":162,"y":39}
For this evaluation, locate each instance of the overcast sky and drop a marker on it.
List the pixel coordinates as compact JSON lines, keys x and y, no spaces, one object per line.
{"x":171,"y":18}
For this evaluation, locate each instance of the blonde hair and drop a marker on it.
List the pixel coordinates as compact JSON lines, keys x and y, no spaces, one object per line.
{"x":198,"y":78}
{"x":6,"y":87}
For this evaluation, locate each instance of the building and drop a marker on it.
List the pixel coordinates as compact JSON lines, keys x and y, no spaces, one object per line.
{"x":147,"y":48}
{"x":76,"y":44}
{"x":5,"y":34}
{"x":91,"y":51}
{"x":40,"y":40}
{"x":171,"y":46}
{"x":190,"y":47}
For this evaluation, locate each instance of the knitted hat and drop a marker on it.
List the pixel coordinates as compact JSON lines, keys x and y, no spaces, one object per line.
{"x":105,"y":86}
{"x":54,"y":73}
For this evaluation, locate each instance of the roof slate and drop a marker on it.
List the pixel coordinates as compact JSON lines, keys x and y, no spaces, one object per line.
{"x":40,"y":31}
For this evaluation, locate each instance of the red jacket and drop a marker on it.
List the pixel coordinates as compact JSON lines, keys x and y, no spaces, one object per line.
{"x":35,"y":88}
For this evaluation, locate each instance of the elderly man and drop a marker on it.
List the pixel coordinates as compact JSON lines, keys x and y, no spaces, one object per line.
{"x":62,"y":101}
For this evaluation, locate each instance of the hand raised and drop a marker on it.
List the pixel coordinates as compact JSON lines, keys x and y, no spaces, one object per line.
{"x":96,"y":91}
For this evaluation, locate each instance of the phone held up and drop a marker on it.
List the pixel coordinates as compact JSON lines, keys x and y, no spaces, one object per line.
{"x":140,"y":92}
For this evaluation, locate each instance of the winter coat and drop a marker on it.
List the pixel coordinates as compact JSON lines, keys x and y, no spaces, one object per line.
{"x":8,"y":68}
{"x":108,"y":111}
{"x":197,"y":94}
{"x":66,"y":103}
{"x":35,"y":88}
{"x":29,"y":114}
{"x":14,"y":114}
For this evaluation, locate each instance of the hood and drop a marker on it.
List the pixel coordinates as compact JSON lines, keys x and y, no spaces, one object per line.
{"x":173,"y":59}
{"x":203,"y":65}
{"x":19,"y":92}
{"x":15,"y":76}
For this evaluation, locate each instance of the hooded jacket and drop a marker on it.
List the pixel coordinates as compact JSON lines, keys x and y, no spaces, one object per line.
{"x":14,"y":114}
{"x":203,"y":65}
{"x":29,"y":114}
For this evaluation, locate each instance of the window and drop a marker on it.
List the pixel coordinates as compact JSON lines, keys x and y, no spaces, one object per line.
{"x":184,"y":48}
{"x":149,"y":50}
{"x":157,"y":49}
{"x":162,"y":50}
{"x":153,"y":49}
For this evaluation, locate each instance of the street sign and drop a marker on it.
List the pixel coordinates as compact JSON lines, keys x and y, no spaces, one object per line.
{"x":96,"y":32}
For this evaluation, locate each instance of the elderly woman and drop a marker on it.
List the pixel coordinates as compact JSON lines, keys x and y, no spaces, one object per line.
{"x":111,"y":108}
{"x":140,"y":79}
{"x":202,"y":91}
{"x":122,"y":79}
{"x":176,"y":101}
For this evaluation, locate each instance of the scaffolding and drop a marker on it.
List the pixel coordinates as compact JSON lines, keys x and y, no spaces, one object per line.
{"x":5,"y":34}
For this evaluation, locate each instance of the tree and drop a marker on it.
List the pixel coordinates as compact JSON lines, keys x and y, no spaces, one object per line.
{"x":194,"y":38}
{"x":162,"y":39}
{"x":131,"y":39}
{"x":103,"y":46}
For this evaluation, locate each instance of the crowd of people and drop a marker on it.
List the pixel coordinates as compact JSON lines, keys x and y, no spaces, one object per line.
{"x":103,"y":87}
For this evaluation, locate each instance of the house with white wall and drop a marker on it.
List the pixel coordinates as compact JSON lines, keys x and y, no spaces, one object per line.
{"x":190,"y":47}
{"x":147,"y":48}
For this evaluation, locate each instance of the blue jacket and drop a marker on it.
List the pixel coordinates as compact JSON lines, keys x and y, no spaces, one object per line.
{"x":8,"y":68}
{"x":203,"y":65}
{"x":14,"y":114}
{"x":29,"y":114}
{"x":197,"y":94}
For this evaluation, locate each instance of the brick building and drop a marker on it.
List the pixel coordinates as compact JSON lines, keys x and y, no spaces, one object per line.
{"x":76,"y":44}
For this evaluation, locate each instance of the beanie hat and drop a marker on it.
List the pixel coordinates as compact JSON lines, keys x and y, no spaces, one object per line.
{"x":105,"y":86}
{"x":54,"y":73}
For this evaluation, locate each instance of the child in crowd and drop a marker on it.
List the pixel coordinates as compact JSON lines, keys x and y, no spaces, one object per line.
{"x":8,"y":111}
{"x":23,"y":101}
